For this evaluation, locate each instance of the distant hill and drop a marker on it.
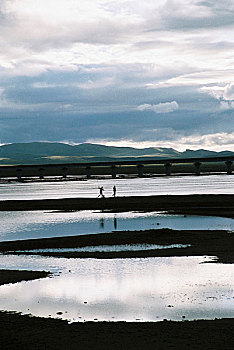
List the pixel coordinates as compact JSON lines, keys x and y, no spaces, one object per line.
{"x":46,"y":152}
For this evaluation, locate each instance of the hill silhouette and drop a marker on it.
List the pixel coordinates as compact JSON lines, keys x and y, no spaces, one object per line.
{"x":49,"y":153}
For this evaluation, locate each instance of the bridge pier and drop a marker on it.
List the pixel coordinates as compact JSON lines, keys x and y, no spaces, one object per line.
{"x":64,"y":172}
{"x":113,"y":171}
{"x":197,"y":168}
{"x":19,"y":173}
{"x":229,"y":167}
{"x":41,"y":173}
{"x":134,"y":166}
{"x":140,"y":170}
{"x":168,"y":168}
{"x":88,"y":172}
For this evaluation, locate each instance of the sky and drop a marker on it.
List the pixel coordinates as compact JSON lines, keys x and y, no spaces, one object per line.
{"x":126,"y":73}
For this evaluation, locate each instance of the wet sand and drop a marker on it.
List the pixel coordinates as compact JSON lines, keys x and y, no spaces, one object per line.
{"x":206,"y":204}
{"x":213,"y":243}
{"x":25,"y":332}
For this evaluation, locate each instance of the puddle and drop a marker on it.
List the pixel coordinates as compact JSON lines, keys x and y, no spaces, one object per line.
{"x":42,"y":224}
{"x":108,"y":248}
{"x":150,"y":289}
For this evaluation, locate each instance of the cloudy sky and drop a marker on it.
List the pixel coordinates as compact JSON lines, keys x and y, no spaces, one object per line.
{"x":126,"y":72}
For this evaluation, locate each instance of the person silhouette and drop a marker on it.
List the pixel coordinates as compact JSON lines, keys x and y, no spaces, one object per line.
{"x":114,"y":191}
{"x":101,"y":190}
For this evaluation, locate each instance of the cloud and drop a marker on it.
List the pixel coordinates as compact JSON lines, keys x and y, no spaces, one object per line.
{"x":228,"y":93}
{"x":225,"y":95}
{"x":214,"y":91}
{"x":226,"y":105}
{"x":3,"y":102}
{"x":211,"y":140}
{"x":34,"y":38}
{"x":185,"y":15}
{"x":216,"y":141}
{"x":38,"y":26}
{"x":166,"y":107}
{"x":78,"y":69}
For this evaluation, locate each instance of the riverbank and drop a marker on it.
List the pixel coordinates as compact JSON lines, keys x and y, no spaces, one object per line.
{"x":26,"y":332}
{"x":199,"y":243}
{"x":205,"y":204}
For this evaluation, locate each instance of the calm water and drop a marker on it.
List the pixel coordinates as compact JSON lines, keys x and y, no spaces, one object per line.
{"x":149,"y":289}
{"x":215,"y":184}
{"x":111,"y":248}
{"x":41,"y":224}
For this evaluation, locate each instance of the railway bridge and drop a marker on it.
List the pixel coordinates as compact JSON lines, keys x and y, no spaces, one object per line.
{"x":41,"y":171}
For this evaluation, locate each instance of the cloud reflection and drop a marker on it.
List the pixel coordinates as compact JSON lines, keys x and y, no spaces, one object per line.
{"x":127,"y":289}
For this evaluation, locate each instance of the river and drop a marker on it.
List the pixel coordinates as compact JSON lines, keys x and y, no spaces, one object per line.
{"x":213,"y":184}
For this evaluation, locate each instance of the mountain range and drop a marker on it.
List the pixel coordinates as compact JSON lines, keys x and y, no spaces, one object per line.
{"x":51,"y":153}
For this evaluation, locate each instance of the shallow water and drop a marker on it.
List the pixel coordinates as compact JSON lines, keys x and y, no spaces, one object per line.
{"x":42,"y":224}
{"x":214,"y":184}
{"x":149,"y":289}
{"x":109,"y":248}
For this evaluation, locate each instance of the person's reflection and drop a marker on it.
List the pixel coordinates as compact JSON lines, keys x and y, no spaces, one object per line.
{"x":101,"y":223}
{"x":115,"y":223}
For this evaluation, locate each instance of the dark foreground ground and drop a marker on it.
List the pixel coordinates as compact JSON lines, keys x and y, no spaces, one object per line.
{"x":25,"y":332}
{"x":206,"y":204}
{"x":13,"y":276}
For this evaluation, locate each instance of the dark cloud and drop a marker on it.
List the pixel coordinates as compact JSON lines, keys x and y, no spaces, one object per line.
{"x":194,"y":15}
{"x":126,"y":85}
{"x":77,"y":127}
{"x":54,"y":106}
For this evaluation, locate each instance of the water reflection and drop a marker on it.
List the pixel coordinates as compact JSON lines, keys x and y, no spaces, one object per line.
{"x":101,"y":223}
{"x":148,"y":289}
{"x":115,"y":222}
{"x":110,"y":248}
{"x":42,"y":224}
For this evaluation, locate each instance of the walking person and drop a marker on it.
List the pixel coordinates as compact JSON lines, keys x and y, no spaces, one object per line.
{"x":101,"y":190}
{"x":114,"y":192}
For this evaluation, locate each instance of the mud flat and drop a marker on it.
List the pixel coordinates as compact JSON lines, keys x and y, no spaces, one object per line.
{"x":205,"y":204}
{"x":212,"y":243}
{"x":14,"y":276}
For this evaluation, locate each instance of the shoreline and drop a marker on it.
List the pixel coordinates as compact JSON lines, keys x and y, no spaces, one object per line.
{"x":204,"y":204}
